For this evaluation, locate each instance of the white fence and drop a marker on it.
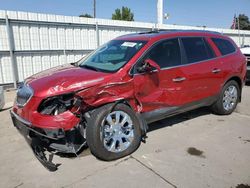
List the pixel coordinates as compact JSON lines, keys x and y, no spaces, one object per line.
{"x":32,"y":42}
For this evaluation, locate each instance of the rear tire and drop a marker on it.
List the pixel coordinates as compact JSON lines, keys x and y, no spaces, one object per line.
{"x":228,"y":99}
{"x":113,"y":134}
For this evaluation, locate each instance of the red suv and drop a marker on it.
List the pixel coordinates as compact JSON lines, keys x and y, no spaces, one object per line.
{"x":107,"y":98}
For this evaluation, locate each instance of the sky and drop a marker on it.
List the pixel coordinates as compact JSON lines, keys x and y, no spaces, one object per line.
{"x":210,"y":13}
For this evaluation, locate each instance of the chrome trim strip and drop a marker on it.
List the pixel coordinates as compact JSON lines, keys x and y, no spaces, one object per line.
{"x":183,"y":65}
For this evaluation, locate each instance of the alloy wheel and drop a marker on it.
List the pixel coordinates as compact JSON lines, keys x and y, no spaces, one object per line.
{"x":230,"y":98}
{"x":117,"y":131}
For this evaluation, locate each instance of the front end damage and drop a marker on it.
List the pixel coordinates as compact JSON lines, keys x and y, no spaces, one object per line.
{"x":58,"y":123}
{"x":45,"y":143}
{"x":57,"y":126}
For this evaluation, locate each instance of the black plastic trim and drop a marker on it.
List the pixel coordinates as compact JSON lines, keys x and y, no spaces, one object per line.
{"x":163,"y":113}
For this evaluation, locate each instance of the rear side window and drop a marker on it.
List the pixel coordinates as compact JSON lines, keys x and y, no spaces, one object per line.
{"x":197,"y":49}
{"x":225,"y":46}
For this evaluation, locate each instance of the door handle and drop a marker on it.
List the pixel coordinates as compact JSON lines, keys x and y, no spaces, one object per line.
{"x":179,"y":79}
{"x":216,"y":71}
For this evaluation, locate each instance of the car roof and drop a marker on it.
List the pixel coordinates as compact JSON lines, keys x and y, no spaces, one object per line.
{"x":158,"y":34}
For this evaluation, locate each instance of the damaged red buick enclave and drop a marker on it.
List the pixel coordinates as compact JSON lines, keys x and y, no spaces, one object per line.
{"x":106,"y":100}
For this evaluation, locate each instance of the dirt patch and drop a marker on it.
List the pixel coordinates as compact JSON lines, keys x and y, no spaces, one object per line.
{"x":242,"y":186}
{"x":19,"y":185}
{"x":220,"y":120}
{"x":158,"y":151}
{"x":244,"y":140}
{"x":195,"y":152}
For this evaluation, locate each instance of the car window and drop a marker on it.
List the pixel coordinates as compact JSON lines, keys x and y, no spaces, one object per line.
{"x":112,"y":56}
{"x":166,"y":53}
{"x":114,"y":53}
{"x":225,"y":46}
{"x":196,"y":49}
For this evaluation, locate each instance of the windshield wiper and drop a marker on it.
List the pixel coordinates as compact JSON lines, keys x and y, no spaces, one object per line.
{"x":74,"y":64}
{"x":90,"y":67}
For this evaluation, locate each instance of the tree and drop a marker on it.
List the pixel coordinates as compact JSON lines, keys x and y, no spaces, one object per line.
{"x":244,"y":22}
{"x":86,"y":15}
{"x":123,"y":14}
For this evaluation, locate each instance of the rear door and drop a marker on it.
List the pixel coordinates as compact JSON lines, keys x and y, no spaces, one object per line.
{"x":198,"y":68}
{"x":228,"y":63}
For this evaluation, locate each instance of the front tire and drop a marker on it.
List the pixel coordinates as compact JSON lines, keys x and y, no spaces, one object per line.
{"x":228,"y":99}
{"x":113,"y":133}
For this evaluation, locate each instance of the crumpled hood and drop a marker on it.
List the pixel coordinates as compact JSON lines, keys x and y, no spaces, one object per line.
{"x":63,"y":79}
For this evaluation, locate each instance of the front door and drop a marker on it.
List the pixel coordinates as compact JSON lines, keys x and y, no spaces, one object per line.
{"x":166,"y":89}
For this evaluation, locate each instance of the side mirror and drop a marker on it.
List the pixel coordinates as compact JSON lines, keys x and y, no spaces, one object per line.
{"x":149,"y":66}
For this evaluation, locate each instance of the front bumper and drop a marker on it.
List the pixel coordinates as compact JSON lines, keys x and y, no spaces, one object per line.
{"x":49,"y":140}
{"x":35,"y":142}
{"x":25,"y":128}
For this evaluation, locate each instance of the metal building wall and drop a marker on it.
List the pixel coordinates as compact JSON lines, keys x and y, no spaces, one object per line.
{"x":41,"y":41}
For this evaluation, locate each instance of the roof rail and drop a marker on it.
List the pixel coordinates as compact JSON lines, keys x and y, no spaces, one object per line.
{"x":179,"y":30}
{"x":162,"y":31}
{"x":149,"y":32}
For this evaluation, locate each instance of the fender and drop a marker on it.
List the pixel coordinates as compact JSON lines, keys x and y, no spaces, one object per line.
{"x":238,"y":80}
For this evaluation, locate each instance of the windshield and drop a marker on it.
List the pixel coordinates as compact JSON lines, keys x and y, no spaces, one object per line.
{"x":112,"y":56}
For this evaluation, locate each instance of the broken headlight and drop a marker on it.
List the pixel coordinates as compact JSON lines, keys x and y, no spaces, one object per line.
{"x":24,"y":94}
{"x":59,"y":104}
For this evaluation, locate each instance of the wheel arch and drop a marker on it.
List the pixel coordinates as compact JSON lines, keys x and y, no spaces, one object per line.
{"x":143,"y":124}
{"x":239,"y":82}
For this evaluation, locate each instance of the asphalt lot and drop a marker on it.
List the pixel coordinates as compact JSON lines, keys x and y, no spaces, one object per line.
{"x":195,"y":149}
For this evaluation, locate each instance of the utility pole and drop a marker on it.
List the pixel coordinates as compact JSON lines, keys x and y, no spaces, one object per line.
{"x":238,"y":22}
{"x":94,"y":8}
{"x":12,"y":48}
{"x":159,"y":12}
